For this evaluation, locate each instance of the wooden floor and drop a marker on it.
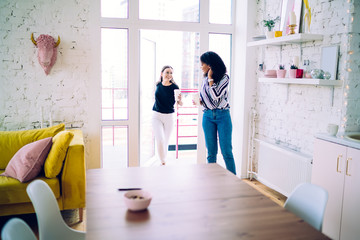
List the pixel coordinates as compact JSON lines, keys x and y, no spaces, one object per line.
{"x":31,"y":218}
{"x":270,"y":193}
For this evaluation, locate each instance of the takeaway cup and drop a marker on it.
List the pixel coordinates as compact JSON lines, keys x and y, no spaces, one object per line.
{"x":176,"y":94}
{"x":196,"y":98}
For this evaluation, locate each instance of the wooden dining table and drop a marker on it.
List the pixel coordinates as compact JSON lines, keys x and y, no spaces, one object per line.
{"x":200,"y":201}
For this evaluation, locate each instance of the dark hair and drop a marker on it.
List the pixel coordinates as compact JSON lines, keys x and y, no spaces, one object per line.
{"x":216,"y":64}
{"x":162,"y":70}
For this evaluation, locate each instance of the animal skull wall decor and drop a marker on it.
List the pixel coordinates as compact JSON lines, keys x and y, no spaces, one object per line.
{"x":47,"y":52}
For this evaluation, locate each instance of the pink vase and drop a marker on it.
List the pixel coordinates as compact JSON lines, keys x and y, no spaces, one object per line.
{"x":280,"y":73}
{"x":292,"y":73}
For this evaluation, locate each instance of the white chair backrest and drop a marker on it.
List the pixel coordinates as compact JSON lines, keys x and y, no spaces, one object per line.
{"x":51,"y":224}
{"x":16,"y":229}
{"x":308,"y":201}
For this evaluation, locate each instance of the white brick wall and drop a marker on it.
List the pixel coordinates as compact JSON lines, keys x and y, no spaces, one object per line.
{"x":24,"y":87}
{"x":308,"y":109}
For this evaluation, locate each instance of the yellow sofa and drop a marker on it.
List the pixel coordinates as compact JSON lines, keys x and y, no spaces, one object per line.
{"x":68,"y":186}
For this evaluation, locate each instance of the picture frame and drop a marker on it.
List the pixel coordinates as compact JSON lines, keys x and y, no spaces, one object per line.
{"x":329,"y":60}
{"x":287,"y":7}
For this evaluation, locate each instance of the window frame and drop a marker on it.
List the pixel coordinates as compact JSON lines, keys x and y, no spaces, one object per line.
{"x":134,"y":25}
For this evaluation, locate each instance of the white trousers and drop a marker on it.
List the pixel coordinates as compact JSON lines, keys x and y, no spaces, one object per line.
{"x":163,"y":124}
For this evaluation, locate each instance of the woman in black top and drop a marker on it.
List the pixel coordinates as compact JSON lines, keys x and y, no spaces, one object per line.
{"x":163,"y":111}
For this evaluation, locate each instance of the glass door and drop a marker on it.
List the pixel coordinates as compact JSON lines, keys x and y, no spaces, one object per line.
{"x":137,"y":39}
{"x":181,"y":51}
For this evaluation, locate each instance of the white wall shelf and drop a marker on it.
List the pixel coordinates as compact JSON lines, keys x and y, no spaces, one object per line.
{"x":305,"y":81}
{"x":302,"y":81}
{"x":289,"y":39}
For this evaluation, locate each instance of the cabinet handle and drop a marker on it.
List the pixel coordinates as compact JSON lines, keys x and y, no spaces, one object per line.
{"x":347,"y":166}
{"x":338,"y":163}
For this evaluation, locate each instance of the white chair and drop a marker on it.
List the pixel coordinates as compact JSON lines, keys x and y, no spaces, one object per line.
{"x":308,"y":201}
{"x":51,"y":224}
{"x":16,"y":229}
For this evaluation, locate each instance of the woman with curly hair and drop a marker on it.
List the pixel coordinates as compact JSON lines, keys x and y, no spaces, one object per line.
{"x":216,"y":121}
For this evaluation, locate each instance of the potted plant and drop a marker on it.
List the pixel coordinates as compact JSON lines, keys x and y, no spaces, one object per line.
{"x":270,"y":24}
{"x":281,"y":72}
{"x":295,"y":72}
{"x":292,"y":72}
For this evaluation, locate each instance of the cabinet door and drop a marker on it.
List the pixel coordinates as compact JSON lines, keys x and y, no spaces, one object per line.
{"x":350,"y":228}
{"x":328,"y":172}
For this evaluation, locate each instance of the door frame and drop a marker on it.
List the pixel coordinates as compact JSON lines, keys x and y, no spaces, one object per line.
{"x":134,"y":25}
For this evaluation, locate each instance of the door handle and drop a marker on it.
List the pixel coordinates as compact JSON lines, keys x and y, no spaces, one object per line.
{"x":347,"y":166}
{"x":338,"y":163}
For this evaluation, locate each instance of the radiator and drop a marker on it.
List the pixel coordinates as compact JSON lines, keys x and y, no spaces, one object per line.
{"x":280,"y":168}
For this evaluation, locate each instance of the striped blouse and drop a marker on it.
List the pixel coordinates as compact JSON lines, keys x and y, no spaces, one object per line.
{"x":216,"y":96}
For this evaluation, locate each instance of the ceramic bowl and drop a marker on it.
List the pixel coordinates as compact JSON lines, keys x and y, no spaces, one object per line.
{"x":270,"y":73}
{"x":137,"y":200}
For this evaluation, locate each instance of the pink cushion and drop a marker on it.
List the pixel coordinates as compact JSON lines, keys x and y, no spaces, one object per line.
{"x":27,"y":163}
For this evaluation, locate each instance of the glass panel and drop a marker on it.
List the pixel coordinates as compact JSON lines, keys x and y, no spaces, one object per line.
{"x":220,"y":11}
{"x":114,"y":74}
{"x":174,"y":10}
{"x":157,"y":50}
{"x":120,"y":103}
{"x":221,"y":44}
{"x":115,"y":146}
{"x":107,"y":104}
{"x":114,"y":8}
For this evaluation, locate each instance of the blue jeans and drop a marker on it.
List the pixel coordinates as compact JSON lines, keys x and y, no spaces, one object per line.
{"x":216,"y":123}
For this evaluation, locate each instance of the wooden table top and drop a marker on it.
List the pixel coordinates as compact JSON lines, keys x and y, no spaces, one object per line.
{"x":202,"y":201}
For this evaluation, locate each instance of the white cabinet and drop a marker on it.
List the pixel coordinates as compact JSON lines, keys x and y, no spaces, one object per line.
{"x":337,"y":169}
{"x":350,"y":224}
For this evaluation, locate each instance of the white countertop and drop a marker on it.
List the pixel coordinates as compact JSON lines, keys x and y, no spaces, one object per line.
{"x":339,"y":139}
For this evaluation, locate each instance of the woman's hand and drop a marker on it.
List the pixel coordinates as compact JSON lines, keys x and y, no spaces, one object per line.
{"x":197,"y":103}
{"x":210,"y":73}
{"x":179,"y":102}
{"x":210,"y":80}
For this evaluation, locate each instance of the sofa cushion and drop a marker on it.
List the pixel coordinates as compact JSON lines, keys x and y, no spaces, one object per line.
{"x":54,"y":160}
{"x":12,"y":191}
{"x":12,"y":141}
{"x":27,"y":163}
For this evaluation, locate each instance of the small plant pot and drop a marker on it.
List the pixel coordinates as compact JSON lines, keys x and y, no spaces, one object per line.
{"x":307,"y":75}
{"x":292,"y":73}
{"x":280,"y":73}
{"x":299,"y":73}
{"x":270,"y":34}
{"x":278,"y":33}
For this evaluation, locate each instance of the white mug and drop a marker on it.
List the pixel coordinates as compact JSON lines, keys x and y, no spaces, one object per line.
{"x":332,"y":129}
{"x":196,"y":98}
{"x":176,"y":94}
